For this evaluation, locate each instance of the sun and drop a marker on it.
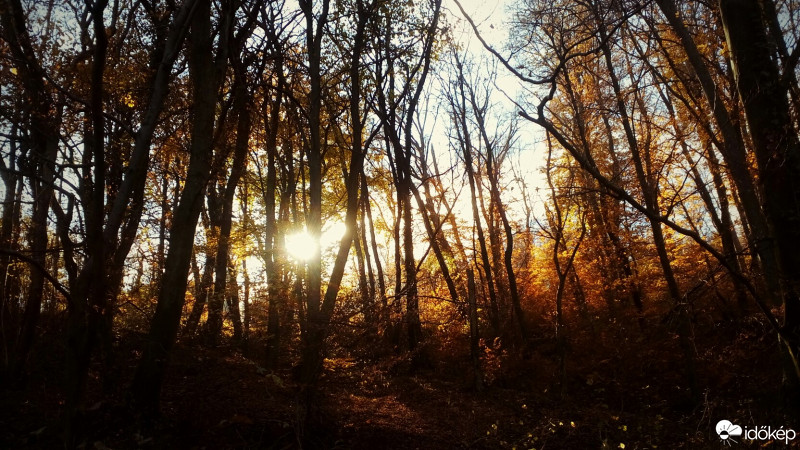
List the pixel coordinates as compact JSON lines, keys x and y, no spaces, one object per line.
{"x":301,"y":245}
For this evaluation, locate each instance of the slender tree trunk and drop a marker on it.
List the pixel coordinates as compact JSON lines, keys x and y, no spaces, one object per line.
{"x":246,"y":302}
{"x":226,"y":219}
{"x":374,"y":242}
{"x":493,"y":246}
{"x":8,"y":241}
{"x":493,"y":173}
{"x":362,"y":227}
{"x":650,"y":192}
{"x":579,"y":295}
{"x":412,"y":298}
{"x":474,"y":335}
{"x":158,"y":268}
{"x":315,"y":334}
{"x":232,"y":300}
{"x":733,"y":150}
{"x":150,"y":372}
{"x":466,"y":147}
{"x":204,"y":284}
{"x":363,"y":287}
{"x":725,"y":230}
{"x":437,"y":251}
{"x":270,"y":232}
{"x":557,"y":220}
{"x":90,"y":306}
{"x":45,"y":121}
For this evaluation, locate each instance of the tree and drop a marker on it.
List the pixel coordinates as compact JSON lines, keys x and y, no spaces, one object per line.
{"x":763,"y":92}
{"x":206,"y":70}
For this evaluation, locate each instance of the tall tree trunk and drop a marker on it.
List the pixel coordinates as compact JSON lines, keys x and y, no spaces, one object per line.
{"x":724,"y":229}
{"x":459,"y":104}
{"x":409,"y":265}
{"x":270,"y":231}
{"x":8,"y":242}
{"x":150,"y":372}
{"x":437,"y":251}
{"x":777,"y":149}
{"x":315,"y":334}
{"x":246,"y":303}
{"x":238,"y":166}
{"x":493,"y":173}
{"x":362,"y":227}
{"x":232,"y":300}
{"x":474,"y":335}
{"x":361,"y":263}
{"x":45,"y":121}
{"x":557,"y":220}
{"x":733,"y":150}
{"x":203,"y":284}
{"x":158,"y":267}
{"x":89,"y":313}
{"x":374,"y":242}
{"x":640,"y":153}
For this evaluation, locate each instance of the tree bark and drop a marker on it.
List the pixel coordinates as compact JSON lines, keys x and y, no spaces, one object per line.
{"x":150,"y":372}
{"x":238,"y":166}
{"x":641,"y":160}
{"x":777,"y":150}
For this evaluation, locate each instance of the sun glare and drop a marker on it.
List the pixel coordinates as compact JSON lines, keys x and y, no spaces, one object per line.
{"x":301,"y":246}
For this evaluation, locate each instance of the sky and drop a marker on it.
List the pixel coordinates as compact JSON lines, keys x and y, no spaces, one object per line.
{"x":492,"y":18}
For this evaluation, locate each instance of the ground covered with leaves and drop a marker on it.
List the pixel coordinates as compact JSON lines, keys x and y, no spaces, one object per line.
{"x":624,"y":389}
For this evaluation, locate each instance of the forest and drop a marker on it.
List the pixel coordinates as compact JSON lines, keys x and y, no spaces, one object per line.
{"x":419,"y":224}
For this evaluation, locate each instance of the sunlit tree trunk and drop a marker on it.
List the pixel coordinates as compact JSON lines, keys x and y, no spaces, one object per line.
{"x":158,"y":267}
{"x":721,"y":189}
{"x":433,"y":228}
{"x":605,"y":210}
{"x":365,"y":248}
{"x":721,"y":218}
{"x":474,"y":333}
{"x":557,"y":221}
{"x":361,"y":262}
{"x":246,"y":303}
{"x":232,"y":301}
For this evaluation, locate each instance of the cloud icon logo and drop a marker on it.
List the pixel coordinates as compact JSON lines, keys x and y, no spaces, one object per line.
{"x":727,"y":431}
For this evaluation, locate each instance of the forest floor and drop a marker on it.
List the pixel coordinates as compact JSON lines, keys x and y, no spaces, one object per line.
{"x":623,"y":390}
